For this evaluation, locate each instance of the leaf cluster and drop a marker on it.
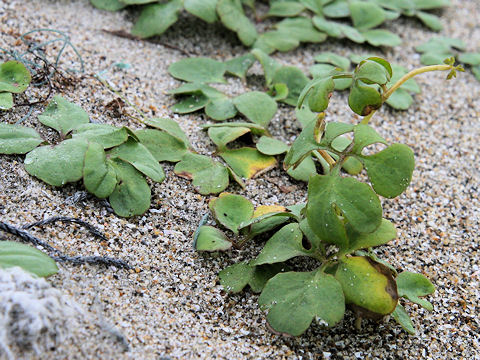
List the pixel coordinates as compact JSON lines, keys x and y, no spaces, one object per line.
{"x":14,"y":79}
{"x":294,"y":21}
{"x":339,"y":225}
{"x":284,"y":85}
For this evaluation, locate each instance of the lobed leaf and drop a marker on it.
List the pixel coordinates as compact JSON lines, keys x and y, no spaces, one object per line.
{"x":63,"y":116}
{"x":6,"y":101}
{"x":330,"y":196}
{"x":401,"y":317}
{"x":294,"y":299}
{"x":106,"y":135}
{"x":283,"y":245}
{"x":411,"y":286}
{"x":204,"y":9}
{"x":233,"y":17}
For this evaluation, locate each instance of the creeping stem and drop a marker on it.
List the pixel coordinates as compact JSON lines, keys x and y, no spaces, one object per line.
{"x":405,"y":78}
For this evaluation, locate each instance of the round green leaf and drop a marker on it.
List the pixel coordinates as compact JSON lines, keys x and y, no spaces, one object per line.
{"x":256,"y":106}
{"x":200,"y":69}
{"x":430,"y":20}
{"x":163,"y":146}
{"x":57,"y":165}
{"x":302,"y":29}
{"x":14,"y":77}
{"x":239,"y":66}
{"x":270,"y":146}
{"x":221,"y":136}
{"x":294,"y":299}
{"x":331,"y":58}
{"x":304,"y":170}
{"x":390,"y":171}
{"x":169,"y":126}
{"x":295,"y":80}
{"x":209,"y":238}
{"x":400,"y":100}
{"x":381,"y":37}
{"x":231,"y":210}
{"x":27,"y":257}
{"x":220,"y":109}
{"x":155,"y":19}
{"x":285,"y":9}
{"x":16,"y":139}
{"x":364,"y":99}
{"x":401,"y":317}
{"x":366,"y":15}
{"x":191,"y":104}
{"x":382,"y":235}
{"x":109,"y":5}
{"x":132,"y":194}
{"x":470,"y":58}
{"x":319,"y":95}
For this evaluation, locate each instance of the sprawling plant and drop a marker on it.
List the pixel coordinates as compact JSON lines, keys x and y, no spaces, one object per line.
{"x":300,"y":20}
{"x":340,"y":223}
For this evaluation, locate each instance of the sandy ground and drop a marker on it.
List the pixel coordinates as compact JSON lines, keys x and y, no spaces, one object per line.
{"x":171,"y":305}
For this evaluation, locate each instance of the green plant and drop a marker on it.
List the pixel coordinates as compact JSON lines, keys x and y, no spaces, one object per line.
{"x":340,"y":223}
{"x":302,"y":20}
{"x":14,"y":79}
{"x":284,"y":84}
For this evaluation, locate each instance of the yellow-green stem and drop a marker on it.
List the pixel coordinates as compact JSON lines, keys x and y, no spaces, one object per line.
{"x":404,"y":79}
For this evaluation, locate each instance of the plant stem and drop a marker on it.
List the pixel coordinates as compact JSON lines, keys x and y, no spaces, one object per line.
{"x":327,"y":157}
{"x":404,"y":79}
{"x":414,"y":73}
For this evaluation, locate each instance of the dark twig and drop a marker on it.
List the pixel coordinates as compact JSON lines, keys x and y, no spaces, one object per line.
{"x":27,"y":237}
{"x":58,"y":255}
{"x":54,"y":219}
{"x":93,"y":260}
